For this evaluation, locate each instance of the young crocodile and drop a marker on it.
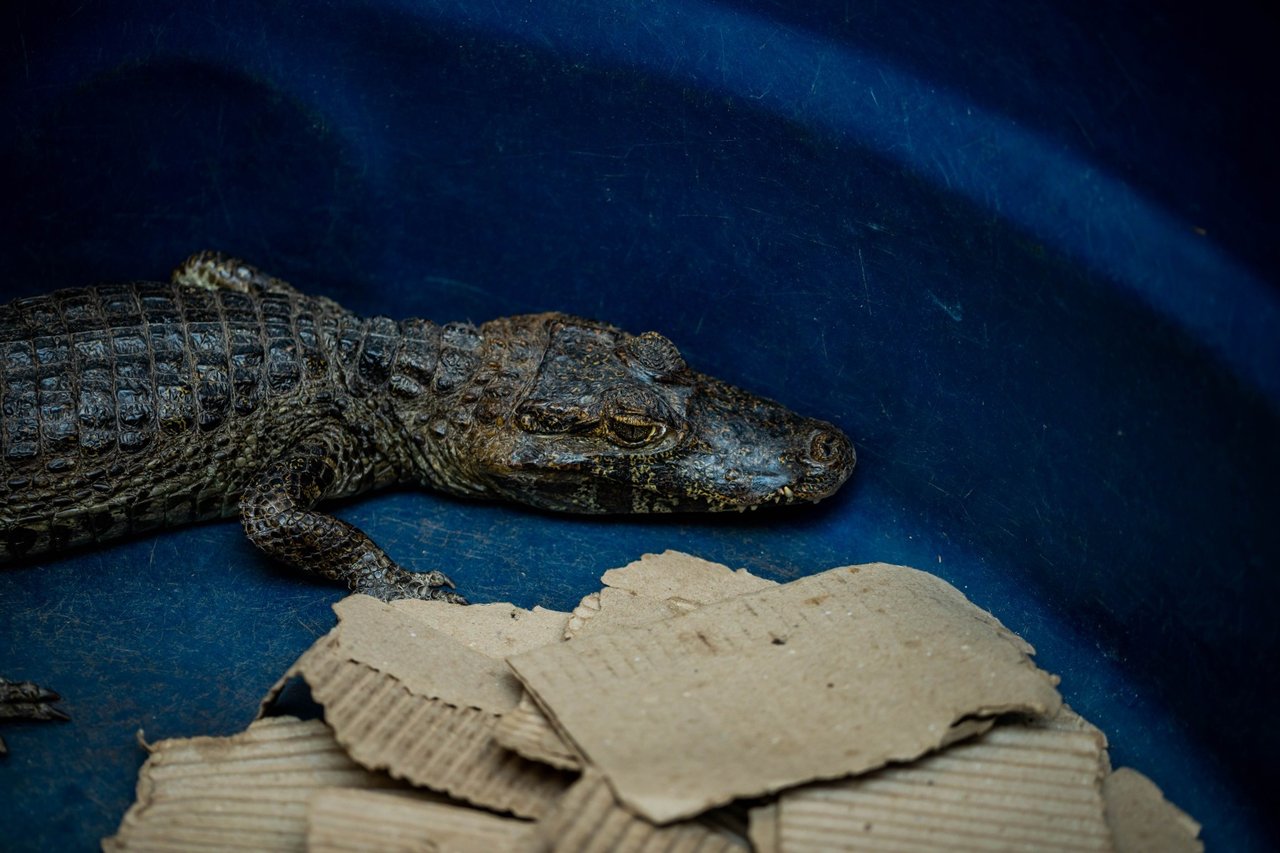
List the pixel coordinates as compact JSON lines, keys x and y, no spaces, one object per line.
{"x":132,"y":407}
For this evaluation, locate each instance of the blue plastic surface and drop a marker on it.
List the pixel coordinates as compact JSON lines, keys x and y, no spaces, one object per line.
{"x":1024,"y":253}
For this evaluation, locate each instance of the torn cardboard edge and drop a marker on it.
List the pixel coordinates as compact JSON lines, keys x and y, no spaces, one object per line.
{"x":899,"y":658}
{"x":658,"y":586}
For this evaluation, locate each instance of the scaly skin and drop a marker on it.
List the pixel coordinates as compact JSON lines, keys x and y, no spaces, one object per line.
{"x":132,"y":407}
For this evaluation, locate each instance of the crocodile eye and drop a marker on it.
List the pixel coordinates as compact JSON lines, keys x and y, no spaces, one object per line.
{"x":633,"y":430}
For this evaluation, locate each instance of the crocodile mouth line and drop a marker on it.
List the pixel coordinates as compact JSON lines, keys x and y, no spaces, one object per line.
{"x":781,"y":496}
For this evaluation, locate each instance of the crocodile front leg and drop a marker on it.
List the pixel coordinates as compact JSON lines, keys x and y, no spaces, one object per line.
{"x":278,"y":515}
{"x":23,"y":700}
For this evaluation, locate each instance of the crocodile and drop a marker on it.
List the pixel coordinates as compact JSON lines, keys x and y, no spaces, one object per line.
{"x":225,"y":391}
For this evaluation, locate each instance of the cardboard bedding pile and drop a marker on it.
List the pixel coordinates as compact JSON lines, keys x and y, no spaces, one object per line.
{"x":683,"y":707}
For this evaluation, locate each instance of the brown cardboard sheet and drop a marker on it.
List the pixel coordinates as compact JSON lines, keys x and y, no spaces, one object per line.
{"x":346,"y":820}
{"x":244,"y":792}
{"x":833,"y":674}
{"x":657,"y":586}
{"x":402,"y":642}
{"x":1034,"y":785}
{"x":1143,"y":821}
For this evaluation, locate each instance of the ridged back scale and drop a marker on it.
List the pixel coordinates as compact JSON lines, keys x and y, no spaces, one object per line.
{"x":135,"y":406}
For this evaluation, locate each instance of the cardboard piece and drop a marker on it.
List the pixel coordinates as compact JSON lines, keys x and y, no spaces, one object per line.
{"x":655,"y":587}
{"x":422,"y":740}
{"x":1035,"y":785}
{"x":833,"y":674}
{"x":1143,"y":821}
{"x":346,"y":820}
{"x":401,"y":641}
{"x":247,"y":791}
{"x":589,"y":820}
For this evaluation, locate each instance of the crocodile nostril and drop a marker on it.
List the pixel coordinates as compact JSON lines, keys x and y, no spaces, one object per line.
{"x":829,"y":447}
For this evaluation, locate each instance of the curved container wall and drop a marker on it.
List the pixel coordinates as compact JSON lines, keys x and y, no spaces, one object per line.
{"x":1022,"y":253}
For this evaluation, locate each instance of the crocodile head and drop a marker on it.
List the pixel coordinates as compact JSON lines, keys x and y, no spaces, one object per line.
{"x":584,"y":417}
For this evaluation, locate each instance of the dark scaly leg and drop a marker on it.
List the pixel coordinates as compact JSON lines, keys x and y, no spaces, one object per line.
{"x":22,"y":700}
{"x":278,"y":516}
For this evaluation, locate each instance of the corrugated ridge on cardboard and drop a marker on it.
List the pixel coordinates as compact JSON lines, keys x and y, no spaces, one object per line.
{"x":965,"y":797}
{"x":589,"y":820}
{"x":342,"y":820}
{"x":246,"y":791}
{"x":426,"y":741}
{"x":527,"y":731}
{"x":586,"y":610}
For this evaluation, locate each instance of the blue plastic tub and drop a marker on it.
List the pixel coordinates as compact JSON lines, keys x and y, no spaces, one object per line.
{"x":1024,"y":253}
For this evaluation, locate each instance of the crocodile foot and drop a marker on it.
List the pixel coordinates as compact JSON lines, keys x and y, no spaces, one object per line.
{"x":24,"y":700}
{"x":429,"y":586}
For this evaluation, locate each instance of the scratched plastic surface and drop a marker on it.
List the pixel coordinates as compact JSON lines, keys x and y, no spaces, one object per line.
{"x":1018,"y":251}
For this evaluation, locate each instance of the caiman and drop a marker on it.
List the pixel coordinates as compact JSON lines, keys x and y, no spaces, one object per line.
{"x":225,"y":391}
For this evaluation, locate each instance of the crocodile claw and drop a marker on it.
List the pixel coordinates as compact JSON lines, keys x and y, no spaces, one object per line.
{"x":25,"y":700}
{"x":428,"y":586}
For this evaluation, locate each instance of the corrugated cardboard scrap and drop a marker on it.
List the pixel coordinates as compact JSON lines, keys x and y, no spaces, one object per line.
{"x":404,"y":696}
{"x":834,"y":674}
{"x":1034,"y":785}
{"x":346,"y":820}
{"x":248,"y":791}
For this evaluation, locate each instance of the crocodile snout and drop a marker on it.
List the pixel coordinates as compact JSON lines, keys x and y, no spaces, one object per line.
{"x":828,"y":460}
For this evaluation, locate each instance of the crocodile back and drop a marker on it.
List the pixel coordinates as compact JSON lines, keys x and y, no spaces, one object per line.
{"x":133,"y":406}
